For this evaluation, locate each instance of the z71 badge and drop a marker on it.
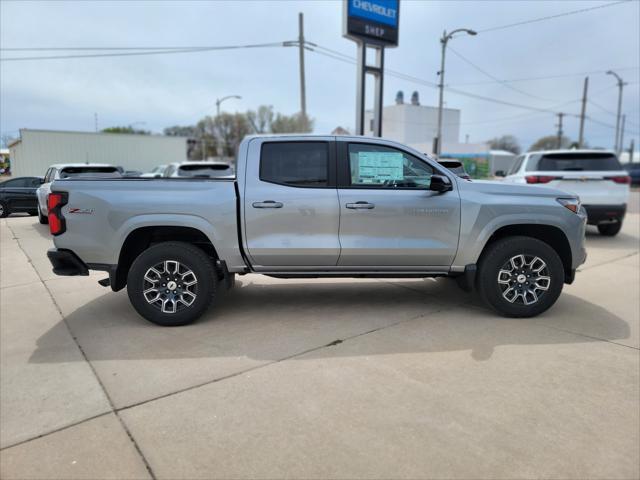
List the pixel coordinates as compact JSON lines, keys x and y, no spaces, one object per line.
{"x":82,"y":211}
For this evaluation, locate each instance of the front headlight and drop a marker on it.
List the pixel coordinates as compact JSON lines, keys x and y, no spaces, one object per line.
{"x":572,"y":203}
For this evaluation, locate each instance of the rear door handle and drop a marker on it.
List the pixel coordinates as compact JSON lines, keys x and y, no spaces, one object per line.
{"x":360,"y":206}
{"x":267,"y":204}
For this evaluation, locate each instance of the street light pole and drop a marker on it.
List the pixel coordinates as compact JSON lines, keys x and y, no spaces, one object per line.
{"x":621,"y":84}
{"x":220,"y":100}
{"x":445,"y":38}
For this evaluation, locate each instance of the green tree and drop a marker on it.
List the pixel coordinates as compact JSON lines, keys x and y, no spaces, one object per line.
{"x":128,"y":129}
{"x":505,"y":142}
{"x":550,"y":142}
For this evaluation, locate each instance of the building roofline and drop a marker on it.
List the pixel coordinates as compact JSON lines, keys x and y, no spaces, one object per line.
{"x":151,"y":135}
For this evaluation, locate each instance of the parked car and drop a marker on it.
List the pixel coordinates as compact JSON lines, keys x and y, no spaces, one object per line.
{"x":456,"y":167}
{"x":157,"y":172}
{"x":201,"y":169}
{"x":317,"y":206}
{"x":19,"y":195}
{"x":634,"y":172}
{"x":71,"y":170}
{"x":595,"y":176}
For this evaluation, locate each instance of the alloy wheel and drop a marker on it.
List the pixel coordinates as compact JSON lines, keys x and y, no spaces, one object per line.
{"x":170,"y":286}
{"x":524,"y":279}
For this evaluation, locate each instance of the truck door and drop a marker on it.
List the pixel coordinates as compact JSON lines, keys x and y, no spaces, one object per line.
{"x":389,"y":217}
{"x":291,"y":210}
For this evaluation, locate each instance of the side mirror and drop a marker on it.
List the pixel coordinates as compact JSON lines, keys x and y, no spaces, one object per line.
{"x":500,"y":173}
{"x":41,"y":181}
{"x":440,"y":183}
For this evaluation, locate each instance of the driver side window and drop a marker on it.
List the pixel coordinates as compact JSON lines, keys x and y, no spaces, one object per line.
{"x":378,"y":166}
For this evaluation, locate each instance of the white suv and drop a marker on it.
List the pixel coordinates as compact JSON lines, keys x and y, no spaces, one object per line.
{"x":594,"y":175}
{"x":69,"y":170}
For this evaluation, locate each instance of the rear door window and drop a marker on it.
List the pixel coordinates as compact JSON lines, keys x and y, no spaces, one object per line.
{"x":297,"y":164}
{"x":575,"y":162}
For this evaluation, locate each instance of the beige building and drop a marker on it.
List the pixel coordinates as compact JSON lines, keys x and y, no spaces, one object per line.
{"x":35,"y":150}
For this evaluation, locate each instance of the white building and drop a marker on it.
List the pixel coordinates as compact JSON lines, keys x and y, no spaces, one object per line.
{"x":412,"y":123}
{"x":35,"y":150}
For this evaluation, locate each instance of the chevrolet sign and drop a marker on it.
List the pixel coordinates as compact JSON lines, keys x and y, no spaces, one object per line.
{"x":372,"y":21}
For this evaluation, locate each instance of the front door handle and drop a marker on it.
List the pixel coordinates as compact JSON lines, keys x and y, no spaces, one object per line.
{"x":360,"y":206}
{"x":267,"y":204}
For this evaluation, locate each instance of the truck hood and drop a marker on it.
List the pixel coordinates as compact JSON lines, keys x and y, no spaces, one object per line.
{"x":503,"y":188}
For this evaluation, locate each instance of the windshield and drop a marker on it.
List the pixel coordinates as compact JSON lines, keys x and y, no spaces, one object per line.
{"x":94,"y":172}
{"x":574,"y":162}
{"x":208,"y":171}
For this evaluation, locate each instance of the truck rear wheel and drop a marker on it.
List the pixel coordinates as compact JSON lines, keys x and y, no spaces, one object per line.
{"x":520,"y":276}
{"x":172,"y":283}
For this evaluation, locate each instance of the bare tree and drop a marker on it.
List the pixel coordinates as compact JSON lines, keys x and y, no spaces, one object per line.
{"x":505,"y":142}
{"x":261,"y":119}
{"x":550,"y":142}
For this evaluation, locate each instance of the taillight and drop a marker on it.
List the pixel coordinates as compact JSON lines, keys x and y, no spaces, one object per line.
{"x":55,"y":202}
{"x":620,"y":179}
{"x":540,"y":178}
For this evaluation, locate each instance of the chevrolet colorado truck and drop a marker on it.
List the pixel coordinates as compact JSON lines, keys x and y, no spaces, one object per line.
{"x":306,"y":206}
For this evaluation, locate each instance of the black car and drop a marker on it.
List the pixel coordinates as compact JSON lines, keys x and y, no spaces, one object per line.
{"x":19,"y":195}
{"x":634,"y":172}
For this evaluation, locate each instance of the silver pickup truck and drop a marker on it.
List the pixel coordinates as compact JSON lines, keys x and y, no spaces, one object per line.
{"x":316,"y":206}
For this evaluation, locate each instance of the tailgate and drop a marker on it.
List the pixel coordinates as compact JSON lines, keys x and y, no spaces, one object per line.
{"x":593,"y":188}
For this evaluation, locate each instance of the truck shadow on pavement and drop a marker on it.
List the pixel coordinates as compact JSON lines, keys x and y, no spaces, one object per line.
{"x":275,"y":320}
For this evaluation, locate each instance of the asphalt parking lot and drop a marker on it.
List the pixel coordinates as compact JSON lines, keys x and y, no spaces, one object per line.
{"x":319,"y":378}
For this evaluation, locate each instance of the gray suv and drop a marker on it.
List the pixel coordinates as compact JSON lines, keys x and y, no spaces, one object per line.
{"x":306,"y":206}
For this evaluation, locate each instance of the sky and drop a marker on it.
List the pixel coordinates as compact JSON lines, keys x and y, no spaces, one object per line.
{"x":156,"y":91}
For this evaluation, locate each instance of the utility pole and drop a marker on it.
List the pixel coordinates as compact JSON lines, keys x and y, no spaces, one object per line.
{"x":95,"y":121}
{"x":621,"y":84}
{"x":621,"y":142}
{"x":303,"y":92}
{"x":560,"y":132}
{"x":631,"y":149}
{"x":584,"y":111}
{"x":437,"y":147}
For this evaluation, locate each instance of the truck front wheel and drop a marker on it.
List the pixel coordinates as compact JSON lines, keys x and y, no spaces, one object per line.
{"x":172,"y":283}
{"x":520,"y":276}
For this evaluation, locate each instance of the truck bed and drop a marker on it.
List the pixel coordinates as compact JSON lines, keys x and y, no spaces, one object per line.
{"x":111,"y":209}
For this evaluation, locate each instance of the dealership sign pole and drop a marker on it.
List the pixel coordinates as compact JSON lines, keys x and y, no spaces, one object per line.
{"x":371,"y":23}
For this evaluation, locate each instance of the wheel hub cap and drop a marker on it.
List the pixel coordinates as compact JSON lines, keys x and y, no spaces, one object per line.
{"x":524,"y":279}
{"x":170,"y":286}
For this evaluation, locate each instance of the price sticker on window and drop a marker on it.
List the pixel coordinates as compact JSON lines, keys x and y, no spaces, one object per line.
{"x":379,"y":167}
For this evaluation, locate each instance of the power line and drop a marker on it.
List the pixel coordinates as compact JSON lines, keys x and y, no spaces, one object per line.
{"x":487,"y":74}
{"x":345,"y":58}
{"x":602,"y":108}
{"x":549,"y":17}
{"x":547,"y":77}
{"x":632,"y":132}
{"x":157,"y":51}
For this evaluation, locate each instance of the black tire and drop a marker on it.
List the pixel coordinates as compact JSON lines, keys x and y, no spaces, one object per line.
{"x":494,"y":259}
{"x":609,"y":229}
{"x":4,"y":210}
{"x":190,"y":257}
{"x":44,"y":220}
